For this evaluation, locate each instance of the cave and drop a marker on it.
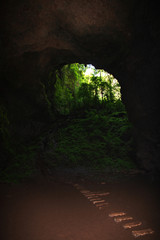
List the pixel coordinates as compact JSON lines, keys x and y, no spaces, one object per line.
{"x":119,"y":36}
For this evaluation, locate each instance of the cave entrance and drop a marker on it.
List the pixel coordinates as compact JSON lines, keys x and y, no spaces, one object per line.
{"x":80,"y":86}
{"x":94,"y":128}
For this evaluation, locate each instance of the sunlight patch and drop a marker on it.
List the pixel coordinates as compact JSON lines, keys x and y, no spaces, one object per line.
{"x":99,"y":201}
{"x":94,"y":199}
{"x":144,"y":232}
{"x":116,"y":214}
{"x":131,"y":225}
{"x":121,"y":219}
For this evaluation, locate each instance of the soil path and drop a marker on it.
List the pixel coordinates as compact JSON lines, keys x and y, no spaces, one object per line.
{"x":79,"y":208}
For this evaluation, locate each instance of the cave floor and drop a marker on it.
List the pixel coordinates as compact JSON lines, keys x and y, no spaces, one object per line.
{"x":76,"y":206}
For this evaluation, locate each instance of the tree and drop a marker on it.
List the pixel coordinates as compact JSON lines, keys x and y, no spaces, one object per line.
{"x":74,"y":88}
{"x":68,"y":81}
{"x":85,"y":93}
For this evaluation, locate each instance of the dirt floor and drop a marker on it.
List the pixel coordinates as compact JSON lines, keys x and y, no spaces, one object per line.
{"x":78,"y":205}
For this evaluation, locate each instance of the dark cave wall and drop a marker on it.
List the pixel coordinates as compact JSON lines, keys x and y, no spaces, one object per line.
{"x":142,"y":92}
{"x":120,"y":36}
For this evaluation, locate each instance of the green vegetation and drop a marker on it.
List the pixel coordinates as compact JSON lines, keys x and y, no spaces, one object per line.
{"x":97,"y":140}
{"x":78,"y":86}
{"x":97,"y":132}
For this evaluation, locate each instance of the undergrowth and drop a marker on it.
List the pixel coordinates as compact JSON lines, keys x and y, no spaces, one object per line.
{"x":97,"y":141}
{"x":95,"y":138}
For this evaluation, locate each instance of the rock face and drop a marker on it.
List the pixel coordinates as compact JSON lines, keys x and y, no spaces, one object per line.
{"x":119,"y":36}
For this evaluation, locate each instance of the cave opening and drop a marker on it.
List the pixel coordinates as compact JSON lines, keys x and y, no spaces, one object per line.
{"x":93,"y":129}
{"x":79,"y":86}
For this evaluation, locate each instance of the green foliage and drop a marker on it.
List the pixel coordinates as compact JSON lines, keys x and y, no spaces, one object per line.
{"x":100,"y":134}
{"x":68,"y":81}
{"x":85,"y":94}
{"x":75,"y":89}
{"x":98,"y":140}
